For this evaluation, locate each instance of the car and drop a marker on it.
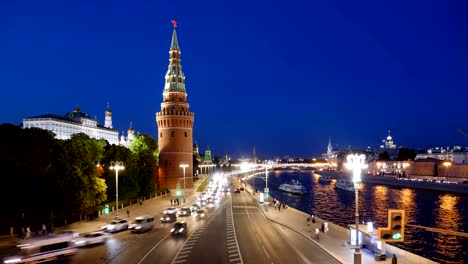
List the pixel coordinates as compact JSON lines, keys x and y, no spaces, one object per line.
{"x":72,"y":233}
{"x":201,"y":214}
{"x":241,"y":188}
{"x":131,"y":224}
{"x":237,"y":190}
{"x":91,"y":239}
{"x":179,"y":229}
{"x":209,"y":200}
{"x":143,"y":223}
{"x":185,"y":211}
{"x":195,"y":207}
{"x":167,"y":218}
{"x":117,"y":225}
{"x":170,"y":210}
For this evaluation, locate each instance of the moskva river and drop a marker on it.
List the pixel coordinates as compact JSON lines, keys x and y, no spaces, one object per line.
{"x":434,"y":209}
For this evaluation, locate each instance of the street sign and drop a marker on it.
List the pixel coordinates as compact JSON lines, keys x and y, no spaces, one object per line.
{"x":266,"y":190}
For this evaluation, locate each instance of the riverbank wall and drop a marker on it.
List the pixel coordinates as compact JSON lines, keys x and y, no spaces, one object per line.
{"x":402,"y":182}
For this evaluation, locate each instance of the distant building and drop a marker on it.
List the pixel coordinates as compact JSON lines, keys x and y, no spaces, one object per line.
{"x":207,"y":158}
{"x":64,"y":127}
{"x":456,"y":154}
{"x":127,"y":141}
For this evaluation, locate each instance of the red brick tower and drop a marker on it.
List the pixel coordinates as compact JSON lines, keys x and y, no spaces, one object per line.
{"x":175,"y":123}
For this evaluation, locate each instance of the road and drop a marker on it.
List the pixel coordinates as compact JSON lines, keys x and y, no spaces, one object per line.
{"x":235,"y":231}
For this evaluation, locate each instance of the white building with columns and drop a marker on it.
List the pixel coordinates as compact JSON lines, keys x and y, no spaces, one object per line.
{"x":73,"y":123}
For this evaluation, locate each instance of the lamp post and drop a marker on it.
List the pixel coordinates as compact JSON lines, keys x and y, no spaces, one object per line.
{"x":116,"y":165}
{"x":183,"y":166}
{"x":356,"y":163}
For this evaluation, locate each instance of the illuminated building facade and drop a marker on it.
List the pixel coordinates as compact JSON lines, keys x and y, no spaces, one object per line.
{"x":64,"y":127}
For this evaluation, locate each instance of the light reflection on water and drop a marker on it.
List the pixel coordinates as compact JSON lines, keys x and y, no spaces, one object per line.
{"x":423,"y":208}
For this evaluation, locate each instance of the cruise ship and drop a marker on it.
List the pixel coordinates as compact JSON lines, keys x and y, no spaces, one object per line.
{"x":344,"y":185}
{"x":294,"y":187}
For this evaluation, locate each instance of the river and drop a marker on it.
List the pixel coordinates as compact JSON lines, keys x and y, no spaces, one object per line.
{"x":435,"y":209}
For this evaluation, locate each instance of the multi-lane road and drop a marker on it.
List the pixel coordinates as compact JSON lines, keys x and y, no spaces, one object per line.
{"x":234,"y":231}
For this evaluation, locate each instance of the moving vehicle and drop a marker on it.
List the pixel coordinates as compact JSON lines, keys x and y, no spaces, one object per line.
{"x":201,"y":214}
{"x":117,"y":225}
{"x":195,"y":207}
{"x":44,"y":249}
{"x":344,"y":185}
{"x":179,"y":229}
{"x":91,"y":239}
{"x":185,"y":211}
{"x":167,"y":218}
{"x":170,"y":210}
{"x":295,"y":187}
{"x":143,"y":223}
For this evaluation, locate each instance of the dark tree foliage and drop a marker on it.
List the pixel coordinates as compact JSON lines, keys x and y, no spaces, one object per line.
{"x":128,"y":182}
{"x":384,"y":156}
{"x":406,"y":154}
{"x":43,"y":177}
{"x":145,"y":151}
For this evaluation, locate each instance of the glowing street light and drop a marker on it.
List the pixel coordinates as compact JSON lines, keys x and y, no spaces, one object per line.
{"x":117,"y":165}
{"x":183,"y":166}
{"x":356,"y":163}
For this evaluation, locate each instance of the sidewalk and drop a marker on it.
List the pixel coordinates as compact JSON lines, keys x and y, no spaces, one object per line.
{"x":333,"y":241}
{"x":154,"y":206}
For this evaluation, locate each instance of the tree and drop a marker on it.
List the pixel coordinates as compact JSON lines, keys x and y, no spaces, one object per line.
{"x":145,"y":151}
{"x":81,"y":154}
{"x":384,"y":156}
{"x":406,"y":154}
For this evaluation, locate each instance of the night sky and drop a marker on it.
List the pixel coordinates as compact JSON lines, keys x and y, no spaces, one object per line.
{"x":280,"y":76}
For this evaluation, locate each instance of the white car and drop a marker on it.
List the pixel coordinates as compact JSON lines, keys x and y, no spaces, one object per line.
{"x":170,"y":210}
{"x":117,"y":225}
{"x":91,"y":238}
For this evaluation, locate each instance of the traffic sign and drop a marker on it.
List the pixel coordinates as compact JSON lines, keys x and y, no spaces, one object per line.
{"x":106,"y":210}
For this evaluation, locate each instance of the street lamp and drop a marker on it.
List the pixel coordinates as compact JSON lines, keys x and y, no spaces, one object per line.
{"x":117,"y":165}
{"x":183,"y":166}
{"x":356,"y":163}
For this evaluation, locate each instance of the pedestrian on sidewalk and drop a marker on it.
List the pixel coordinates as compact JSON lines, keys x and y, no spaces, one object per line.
{"x":171,"y":201}
{"x":308,"y":221}
{"x":44,"y":229}
{"x":284,"y":205}
{"x":317,"y":232}
{"x":394,"y":259}
{"x":128,"y":213}
{"x":313,"y":219}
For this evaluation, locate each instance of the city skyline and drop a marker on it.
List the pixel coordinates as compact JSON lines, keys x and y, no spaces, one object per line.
{"x":280,"y":79}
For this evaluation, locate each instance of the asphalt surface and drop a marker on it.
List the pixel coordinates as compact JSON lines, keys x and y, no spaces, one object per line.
{"x":235,"y":231}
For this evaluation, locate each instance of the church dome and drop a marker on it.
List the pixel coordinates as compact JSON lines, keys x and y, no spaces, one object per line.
{"x":77,"y":114}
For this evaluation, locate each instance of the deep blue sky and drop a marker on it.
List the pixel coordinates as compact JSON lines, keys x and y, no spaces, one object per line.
{"x":280,"y":76}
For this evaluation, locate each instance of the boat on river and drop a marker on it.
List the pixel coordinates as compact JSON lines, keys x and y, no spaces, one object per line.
{"x":325,"y":179}
{"x":344,"y":185}
{"x":295,"y":187}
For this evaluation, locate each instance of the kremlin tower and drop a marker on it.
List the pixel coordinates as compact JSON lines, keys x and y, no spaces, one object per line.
{"x":175,"y":123}
{"x":108,"y":120}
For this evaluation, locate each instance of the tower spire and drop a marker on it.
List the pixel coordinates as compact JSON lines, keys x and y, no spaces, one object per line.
{"x":174,"y":42}
{"x":175,"y":79}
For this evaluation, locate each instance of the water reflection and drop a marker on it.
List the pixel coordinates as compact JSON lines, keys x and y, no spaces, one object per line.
{"x":423,"y":208}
